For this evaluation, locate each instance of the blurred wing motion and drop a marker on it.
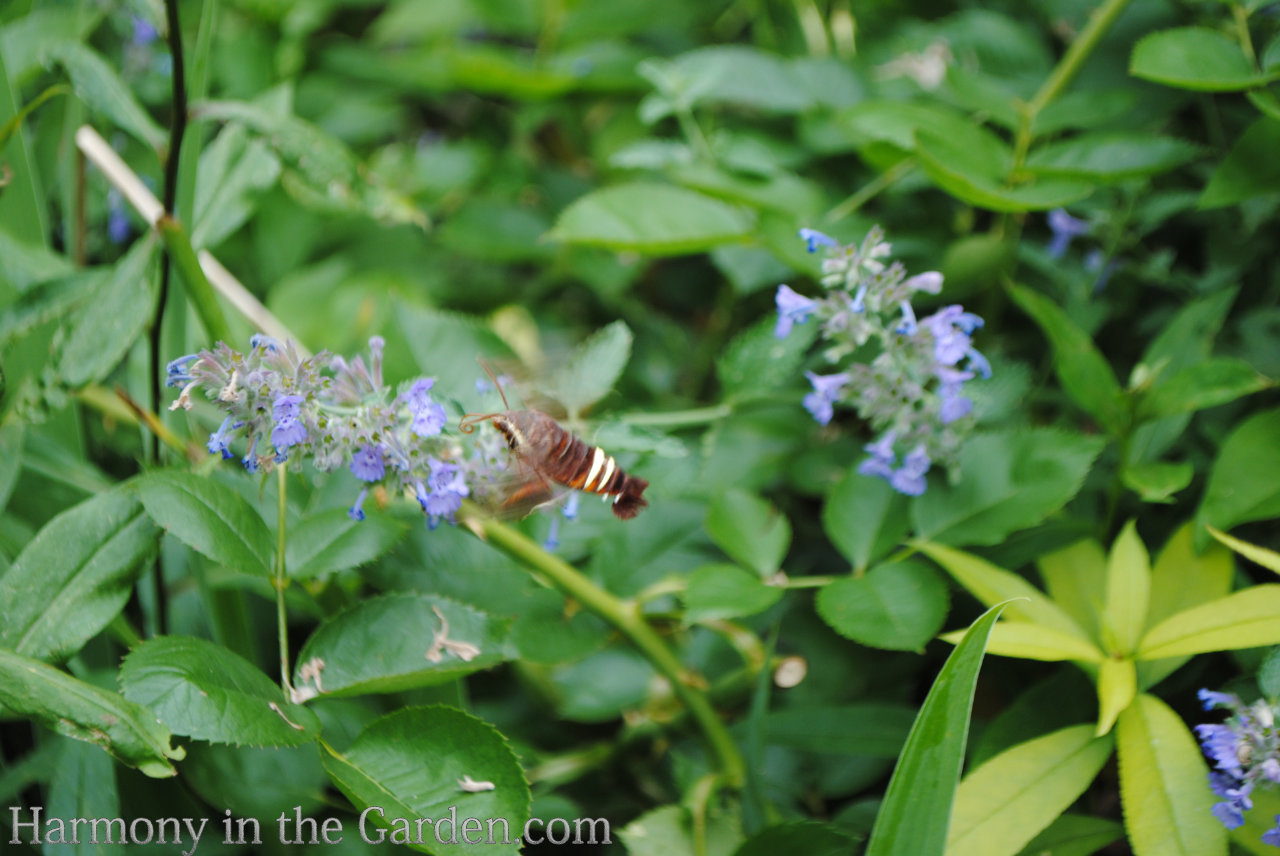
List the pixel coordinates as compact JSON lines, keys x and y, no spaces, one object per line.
{"x":555,"y":455}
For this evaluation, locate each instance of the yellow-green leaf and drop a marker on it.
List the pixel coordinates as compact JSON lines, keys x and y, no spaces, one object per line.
{"x":1117,"y":685}
{"x":1007,"y":801}
{"x":1075,"y":577}
{"x":1128,"y":591}
{"x":1245,"y":619}
{"x":1269,"y":559}
{"x":1035,"y":642}
{"x":1163,"y":785}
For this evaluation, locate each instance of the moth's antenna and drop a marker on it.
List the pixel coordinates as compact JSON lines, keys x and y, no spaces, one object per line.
{"x":494,"y":378}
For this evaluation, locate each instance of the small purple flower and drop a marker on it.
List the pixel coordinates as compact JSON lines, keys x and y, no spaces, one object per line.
{"x":355,"y":512}
{"x":262,"y":340}
{"x":1222,"y":745}
{"x":250,"y":460}
{"x":367,"y":464}
{"x":218,"y":439}
{"x":1064,"y":228}
{"x":443,"y":494}
{"x":793,"y":308}
{"x":1272,"y":836}
{"x":929,"y":282}
{"x":570,"y":510}
{"x":826,"y":389}
{"x":882,"y":458}
{"x":118,"y":227}
{"x":288,"y":430}
{"x":909,"y":478}
{"x":178,"y":372}
{"x":553,"y":535}
{"x":813,"y":239}
{"x":1211,"y":699}
{"x":143,"y":32}
{"x":428,"y":416}
{"x":908,"y":326}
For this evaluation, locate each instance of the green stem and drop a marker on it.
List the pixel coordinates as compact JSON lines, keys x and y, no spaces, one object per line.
{"x":199,"y":290}
{"x":870,"y":190}
{"x":1068,"y":67}
{"x":626,"y":618}
{"x":281,"y":582}
{"x":1242,"y":30}
{"x":681,"y":418}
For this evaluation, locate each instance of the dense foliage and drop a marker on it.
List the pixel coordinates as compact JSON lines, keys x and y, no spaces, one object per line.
{"x":943,"y":335}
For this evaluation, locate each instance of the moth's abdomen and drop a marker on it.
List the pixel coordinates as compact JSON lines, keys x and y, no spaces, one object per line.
{"x":573,"y":463}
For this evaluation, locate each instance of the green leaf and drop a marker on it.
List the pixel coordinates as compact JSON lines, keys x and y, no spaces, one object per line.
{"x":210,"y":518}
{"x":729,"y":74}
{"x":1204,"y":384}
{"x":870,"y":729}
{"x":399,"y":642}
{"x":11,"y":434}
{"x":1111,"y":156}
{"x":898,"y":606}
{"x":1248,"y":170}
{"x":655,"y":219}
{"x":1267,"y":558}
{"x":1246,"y":619}
{"x":100,"y":87}
{"x":234,"y":170}
{"x":757,"y":363}
{"x":1080,"y":366}
{"x":83,"y":711}
{"x":992,"y":585}
{"x":106,"y":325}
{"x":897,"y":122}
{"x":749,"y":530}
{"x":1156,"y":481}
{"x":447,"y":346}
{"x":411,"y":764}
{"x":24,"y":265}
{"x":75,"y":576}
{"x":1074,"y":835}
{"x":972,"y":167}
{"x":1124,"y":611}
{"x":1244,"y":484}
{"x":1009,"y":481}
{"x":1162,"y":785}
{"x":202,"y":690}
{"x":593,"y":369}
{"x":864,"y":518}
{"x":330,"y":541}
{"x":1036,"y":642}
{"x":256,"y":781}
{"x":799,"y":836}
{"x":1006,"y":802}
{"x":83,"y":785}
{"x":1196,"y":58}
{"x":726,"y":591}
{"x":914,"y":816}
{"x":1117,"y":686}
{"x":671,"y":830}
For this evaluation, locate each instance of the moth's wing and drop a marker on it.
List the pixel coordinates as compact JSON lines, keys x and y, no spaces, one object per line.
{"x":519,"y":491}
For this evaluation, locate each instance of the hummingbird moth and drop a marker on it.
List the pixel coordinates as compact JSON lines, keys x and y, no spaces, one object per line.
{"x":554,"y":454}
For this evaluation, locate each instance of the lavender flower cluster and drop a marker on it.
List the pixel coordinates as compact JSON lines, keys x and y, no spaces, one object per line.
{"x":284,"y":407}
{"x":1246,"y":752}
{"x":911,"y":392}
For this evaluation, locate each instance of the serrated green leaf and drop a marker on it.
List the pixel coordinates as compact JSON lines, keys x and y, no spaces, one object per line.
{"x":75,"y":576}
{"x":594,"y":368}
{"x":1183,"y":577}
{"x":1196,"y":58}
{"x":1248,"y":170}
{"x":916,"y":811}
{"x":749,"y":530}
{"x":412,"y":764}
{"x":102,"y":89}
{"x":1246,"y":619}
{"x":398,"y":642}
{"x":1111,"y":156}
{"x":1269,"y":559}
{"x":83,"y":711}
{"x":331,"y":541}
{"x":1117,"y":687}
{"x":1080,"y":366}
{"x":106,"y":326}
{"x":992,"y":585}
{"x":864,"y":518}
{"x":872,"y":729}
{"x":655,"y":219}
{"x":898,"y":606}
{"x":257,"y":781}
{"x":1162,"y":785}
{"x":1128,"y":591}
{"x":726,"y":591}
{"x":1204,"y":384}
{"x":200,"y":689}
{"x":1156,"y":481}
{"x":210,"y":518}
{"x":1009,"y":481}
{"x":1006,"y":802}
{"x":1036,"y":642}
{"x":1244,"y":484}
{"x":756,"y":363}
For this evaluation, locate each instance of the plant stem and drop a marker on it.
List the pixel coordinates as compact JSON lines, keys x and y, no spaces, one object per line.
{"x":870,"y":190}
{"x":281,"y":582}
{"x":680,"y":418}
{"x":626,"y":618}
